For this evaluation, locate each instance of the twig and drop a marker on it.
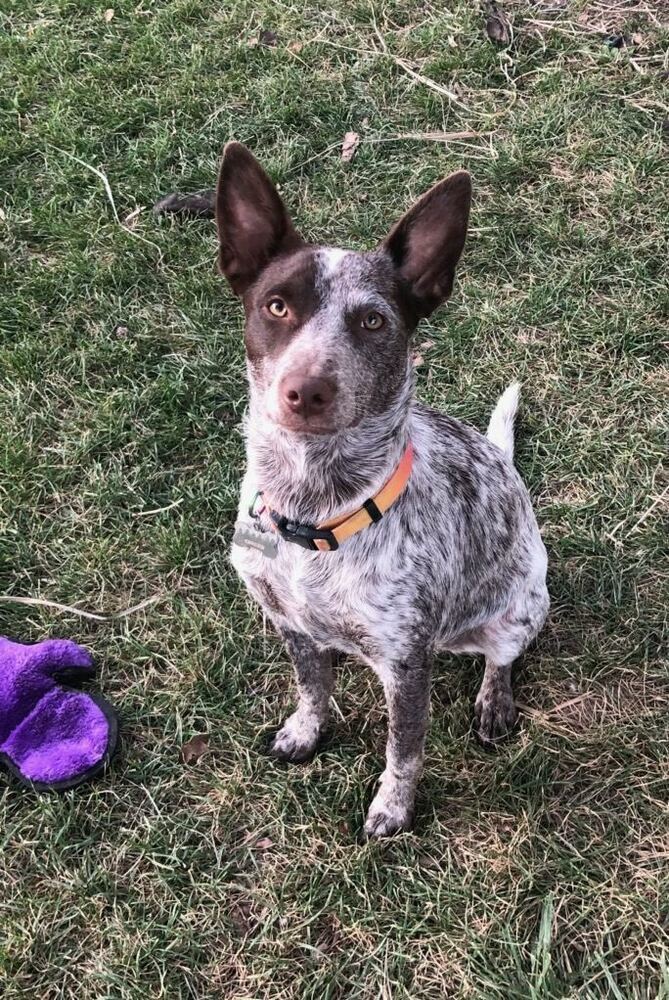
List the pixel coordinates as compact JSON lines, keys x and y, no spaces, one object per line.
{"x":158,"y":510}
{"x":427,"y":82}
{"x":99,"y":174}
{"x":642,"y":517}
{"x":39,"y":602}
{"x":658,"y":500}
{"x":427,"y":136}
{"x":418,"y":77}
{"x":400,"y":137}
{"x":110,"y":197}
{"x":316,"y":156}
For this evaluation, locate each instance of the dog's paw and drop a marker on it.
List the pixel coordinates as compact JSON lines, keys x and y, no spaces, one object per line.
{"x":495,"y":716}
{"x":388,"y":814}
{"x":297,"y":740}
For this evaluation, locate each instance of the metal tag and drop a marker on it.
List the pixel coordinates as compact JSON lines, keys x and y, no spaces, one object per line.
{"x":250,"y":536}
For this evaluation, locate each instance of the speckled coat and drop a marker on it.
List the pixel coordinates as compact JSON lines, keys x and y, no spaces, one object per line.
{"x":457,"y":562}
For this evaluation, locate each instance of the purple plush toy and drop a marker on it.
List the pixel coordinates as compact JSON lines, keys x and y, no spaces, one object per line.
{"x":52,"y":736}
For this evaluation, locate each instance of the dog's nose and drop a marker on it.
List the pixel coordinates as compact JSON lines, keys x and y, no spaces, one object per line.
{"x":307,"y":397}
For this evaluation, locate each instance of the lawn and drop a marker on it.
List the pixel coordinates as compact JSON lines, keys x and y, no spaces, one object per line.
{"x":539,"y":872}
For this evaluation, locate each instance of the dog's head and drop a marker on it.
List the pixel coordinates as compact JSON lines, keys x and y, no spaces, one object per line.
{"x":327,"y":330}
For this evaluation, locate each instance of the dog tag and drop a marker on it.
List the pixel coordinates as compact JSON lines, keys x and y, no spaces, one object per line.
{"x":249,"y":536}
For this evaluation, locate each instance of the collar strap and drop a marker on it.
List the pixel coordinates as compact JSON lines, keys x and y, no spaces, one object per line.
{"x":328,"y":536}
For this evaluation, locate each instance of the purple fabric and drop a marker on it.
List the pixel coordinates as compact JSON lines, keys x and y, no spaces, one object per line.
{"x":50,"y":734}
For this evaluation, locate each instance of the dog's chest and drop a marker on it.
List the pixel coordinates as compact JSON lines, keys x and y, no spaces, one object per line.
{"x":320,"y":594}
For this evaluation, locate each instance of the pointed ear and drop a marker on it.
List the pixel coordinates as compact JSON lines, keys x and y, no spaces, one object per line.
{"x":253,"y":225}
{"x":426,"y":243}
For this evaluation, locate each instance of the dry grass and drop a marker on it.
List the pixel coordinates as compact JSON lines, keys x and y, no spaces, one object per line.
{"x":537,"y":873}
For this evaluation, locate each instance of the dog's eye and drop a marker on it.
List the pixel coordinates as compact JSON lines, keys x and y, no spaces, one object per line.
{"x":277,"y":307}
{"x":373,"y":320}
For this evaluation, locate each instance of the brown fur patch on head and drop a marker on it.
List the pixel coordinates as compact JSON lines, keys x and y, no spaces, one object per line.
{"x":291,"y":277}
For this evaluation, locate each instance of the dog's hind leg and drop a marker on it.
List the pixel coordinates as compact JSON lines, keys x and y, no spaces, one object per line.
{"x":298,"y":738}
{"x":495,"y":713}
{"x":502,"y":641}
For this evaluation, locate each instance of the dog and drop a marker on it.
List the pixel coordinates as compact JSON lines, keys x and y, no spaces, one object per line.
{"x":368,"y":523}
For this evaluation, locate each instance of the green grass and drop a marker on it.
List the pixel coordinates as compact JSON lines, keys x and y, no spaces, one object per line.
{"x":537,"y":873}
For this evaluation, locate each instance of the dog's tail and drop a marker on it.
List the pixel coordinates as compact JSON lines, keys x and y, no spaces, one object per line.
{"x":500,"y":428}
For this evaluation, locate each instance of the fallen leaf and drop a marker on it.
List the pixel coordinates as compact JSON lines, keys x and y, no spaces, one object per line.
{"x":130,"y":220}
{"x":120,"y":331}
{"x":109,"y":13}
{"x":295,"y":47}
{"x":194,"y":748}
{"x":417,"y":360}
{"x":241,"y":914}
{"x":252,"y":42}
{"x":498,"y":26}
{"x":349,"y":146}
{"x":637,"y":38}
{"x":268,"y":37}
{"x":263,"y":843}
{"x":426,"y":345}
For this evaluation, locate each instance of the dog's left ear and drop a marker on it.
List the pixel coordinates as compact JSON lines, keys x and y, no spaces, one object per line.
{"x":426,"y":243}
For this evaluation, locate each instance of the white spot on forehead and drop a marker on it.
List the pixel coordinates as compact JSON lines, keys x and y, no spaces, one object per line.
{"x":330,"y":260}
{"x":346,"y":281}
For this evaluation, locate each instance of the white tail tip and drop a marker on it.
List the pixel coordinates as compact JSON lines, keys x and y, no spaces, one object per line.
{"x":500,"y":428}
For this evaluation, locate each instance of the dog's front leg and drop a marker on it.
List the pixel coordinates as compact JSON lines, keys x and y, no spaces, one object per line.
{"x":407,"y":687}
{"x":298,"y":738}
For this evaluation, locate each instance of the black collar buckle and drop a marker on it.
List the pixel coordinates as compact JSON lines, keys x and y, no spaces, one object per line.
{"x":303,"y":535}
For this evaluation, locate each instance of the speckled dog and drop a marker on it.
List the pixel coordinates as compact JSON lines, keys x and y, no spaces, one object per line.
{"x":449,"y":557}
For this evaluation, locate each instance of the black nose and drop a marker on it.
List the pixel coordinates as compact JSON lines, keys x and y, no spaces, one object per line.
{"x":307,"y":397}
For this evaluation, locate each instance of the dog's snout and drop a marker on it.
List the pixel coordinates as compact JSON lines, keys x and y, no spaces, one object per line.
{"x":307,"y":397}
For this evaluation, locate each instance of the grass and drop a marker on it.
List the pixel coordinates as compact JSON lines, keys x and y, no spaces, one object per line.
{"x":540,"y":872}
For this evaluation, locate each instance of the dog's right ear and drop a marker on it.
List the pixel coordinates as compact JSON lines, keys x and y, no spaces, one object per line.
{"x":253,"y":225}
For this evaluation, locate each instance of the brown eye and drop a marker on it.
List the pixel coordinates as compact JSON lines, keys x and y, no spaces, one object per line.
{"x":277,"y":307}
{"x":373,"y":320}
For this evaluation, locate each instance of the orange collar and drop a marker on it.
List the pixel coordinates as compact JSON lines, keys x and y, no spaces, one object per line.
{"x":329,"y":535}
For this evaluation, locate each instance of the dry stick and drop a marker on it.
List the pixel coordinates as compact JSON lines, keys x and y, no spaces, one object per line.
{"x":158,"y":510}
{"x":402,"y":63}
{"x":657,"y":501}
{"x":439,"y":88}
{"x":444,"y":137}
{"x":640,"y":520}
{"x":110,"y":196}
{"x":39,"y":602}
{"x":415,"y":136}
{"x":425,"y":80}
{"x":432,"y":84}
{"x":427,"y":136}
{"x":316,"y":156}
